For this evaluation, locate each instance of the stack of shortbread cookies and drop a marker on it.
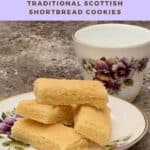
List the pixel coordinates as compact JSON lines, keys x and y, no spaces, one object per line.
{"x":65,"y":115}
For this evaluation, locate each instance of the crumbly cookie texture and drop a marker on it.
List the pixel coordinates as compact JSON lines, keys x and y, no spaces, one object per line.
{"x":94,"y":124}
{"x":45,"y":114}
{"x":69,"y":92}
{"x":48,"y":137}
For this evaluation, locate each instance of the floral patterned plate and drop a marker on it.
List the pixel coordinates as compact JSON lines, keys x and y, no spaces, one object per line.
{"x":129,"y":124}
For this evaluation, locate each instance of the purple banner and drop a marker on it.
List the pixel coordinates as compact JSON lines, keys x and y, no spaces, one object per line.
{"x":69,"y":10}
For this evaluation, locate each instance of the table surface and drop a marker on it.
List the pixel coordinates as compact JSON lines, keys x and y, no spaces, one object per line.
{"x":22,"y":59}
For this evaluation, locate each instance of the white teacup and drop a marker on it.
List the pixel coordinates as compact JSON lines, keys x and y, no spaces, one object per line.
{"x":115,"y":54}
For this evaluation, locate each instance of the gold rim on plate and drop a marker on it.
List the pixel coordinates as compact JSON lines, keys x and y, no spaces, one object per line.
{"x":146,"y":124}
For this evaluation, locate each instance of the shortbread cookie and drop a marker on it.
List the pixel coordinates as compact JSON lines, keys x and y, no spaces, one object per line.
{"x":94,"y":124}
{"x":69,"y":92}
{"x":48,"y":137}
{"x":46,"y":114}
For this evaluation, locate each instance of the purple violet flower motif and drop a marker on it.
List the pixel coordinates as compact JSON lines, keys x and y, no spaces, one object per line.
{"x":113,"y":85}
{"x":110,"y":62}
{"x":119,"y":69}
{"x":142,"y":63}
{"x":115,"y":72}
{"x":4,"y":127}
{"x":102,"y":75}
{"x":126,"y":62}
{"x":102,"y":71}
{"x":122,"y":71}
{"x":131,"y":72}
{"x":130,"y":67}
{"x":9,"y":120}
{"x":101,"y":65}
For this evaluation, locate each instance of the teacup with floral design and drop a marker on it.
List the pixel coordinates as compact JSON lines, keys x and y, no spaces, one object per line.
{"x":115,"y":54}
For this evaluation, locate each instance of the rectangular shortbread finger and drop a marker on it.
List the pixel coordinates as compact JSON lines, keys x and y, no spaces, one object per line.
{"x":48,"y":137}
{"x":69,"y":92}
{"x":94,"y":124}
{"x":46,"y":114}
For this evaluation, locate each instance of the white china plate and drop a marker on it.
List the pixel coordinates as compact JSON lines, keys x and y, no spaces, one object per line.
{"x":129,"y":124}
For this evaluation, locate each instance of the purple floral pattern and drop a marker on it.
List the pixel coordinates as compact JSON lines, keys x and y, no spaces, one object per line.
{"x":7,"y":121}
{"x":115,"y":72}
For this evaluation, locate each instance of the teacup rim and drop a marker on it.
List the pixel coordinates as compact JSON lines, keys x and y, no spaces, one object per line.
{"x":140,"y":44}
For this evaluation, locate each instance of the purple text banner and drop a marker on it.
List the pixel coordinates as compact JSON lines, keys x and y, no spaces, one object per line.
{"x":77,"y":10}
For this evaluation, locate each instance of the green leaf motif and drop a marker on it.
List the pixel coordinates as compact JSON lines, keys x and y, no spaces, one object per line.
{"x":12,"y":144}
{"x":6,"y":143}
{"x":2,"y":137}
{"x":88,"y":64}
{"x":126,"y":138}
{"x":4,"y":116}
{"x":17,"y":146}
{"x":129,"y":82}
